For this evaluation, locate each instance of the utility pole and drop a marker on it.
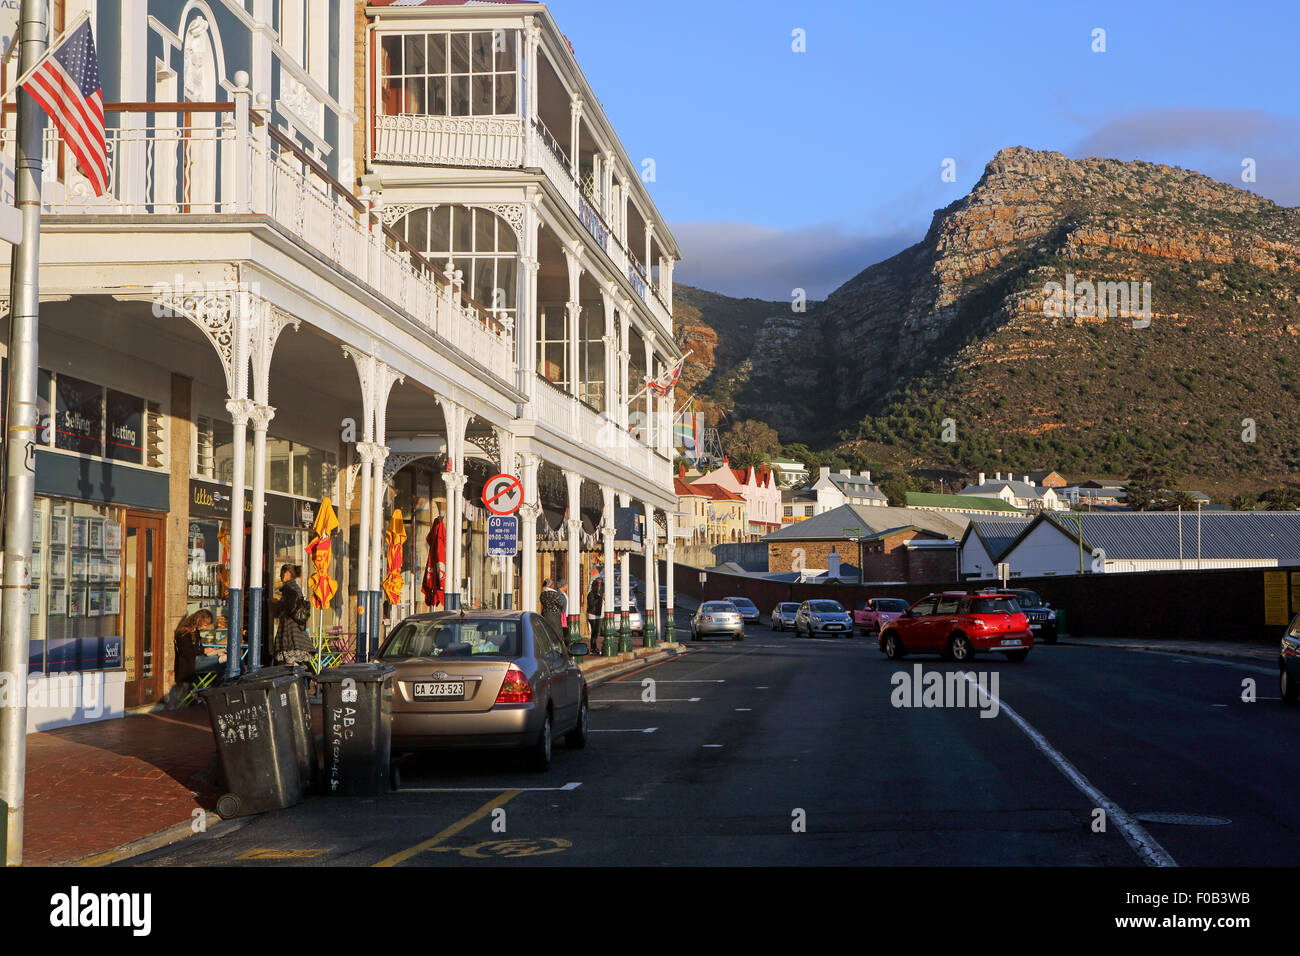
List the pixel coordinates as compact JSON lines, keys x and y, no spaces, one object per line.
{"x":20,"y":424}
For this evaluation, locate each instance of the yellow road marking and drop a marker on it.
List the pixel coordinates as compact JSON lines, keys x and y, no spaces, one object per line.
{"x":498,"y":801}
{"x":269,"y":853}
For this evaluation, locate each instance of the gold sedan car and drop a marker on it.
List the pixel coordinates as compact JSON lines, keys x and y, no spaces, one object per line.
{"x":485,"y":679}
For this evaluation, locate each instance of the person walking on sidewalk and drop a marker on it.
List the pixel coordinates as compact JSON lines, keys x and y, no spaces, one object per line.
{"x":595,"y":604}
{"x":552,"y":602}
{"x":292,"y":643}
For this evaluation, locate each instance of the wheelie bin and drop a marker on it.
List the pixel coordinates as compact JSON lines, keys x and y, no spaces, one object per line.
{"x":253,"y":726}
{"x":304,"y":740}
{"x":357,"y":711}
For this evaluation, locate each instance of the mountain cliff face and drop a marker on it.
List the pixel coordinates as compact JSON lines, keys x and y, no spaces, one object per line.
{"x":998,"y":320}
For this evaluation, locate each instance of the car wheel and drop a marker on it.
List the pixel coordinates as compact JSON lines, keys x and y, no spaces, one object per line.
{"x":776,"y":625}
{"x":739,"y":637}
{"x":892,"y":647}
{"x":576,"y":738}
{"x":1017,"y":656}
{"x":539,"y":754}
{"x":960,"y":649}
{"x":1290,"y":690}
{"x":695,"y":635}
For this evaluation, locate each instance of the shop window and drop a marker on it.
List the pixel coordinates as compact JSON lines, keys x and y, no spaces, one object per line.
{"x":76,"y":619}
{"x":279,"y":460}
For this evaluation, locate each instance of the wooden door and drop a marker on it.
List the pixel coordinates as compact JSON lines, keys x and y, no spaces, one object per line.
{"x":143,"y":628}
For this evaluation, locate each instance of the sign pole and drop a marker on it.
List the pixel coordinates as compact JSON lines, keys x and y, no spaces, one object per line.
{"x":20,"y":425}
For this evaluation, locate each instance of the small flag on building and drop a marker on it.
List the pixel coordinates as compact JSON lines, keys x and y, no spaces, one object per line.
{"x":65,"y":83}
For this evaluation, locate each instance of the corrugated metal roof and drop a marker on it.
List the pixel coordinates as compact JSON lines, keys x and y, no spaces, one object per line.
{"x":1153,"y":535}
{"x":830,"y":525}
{"x":925,"y":499}
{"x":997,"y":534}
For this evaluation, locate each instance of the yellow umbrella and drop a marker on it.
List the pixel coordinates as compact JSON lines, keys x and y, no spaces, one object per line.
{"x":323,"y":587}
{"x":394,"y":537}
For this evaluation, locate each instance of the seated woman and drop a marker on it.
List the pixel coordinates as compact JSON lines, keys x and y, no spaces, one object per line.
{"x":191,"y":660}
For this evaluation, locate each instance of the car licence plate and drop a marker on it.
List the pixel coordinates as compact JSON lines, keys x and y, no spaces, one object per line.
{"x":439,"y":691}
{"x":1035,"y":627}
{"x":1010,"y":643}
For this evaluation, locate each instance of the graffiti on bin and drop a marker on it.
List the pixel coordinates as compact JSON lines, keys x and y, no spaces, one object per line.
{"x":342,"y":726}
{"x":349,"y":690}
{"x":239,"y":725}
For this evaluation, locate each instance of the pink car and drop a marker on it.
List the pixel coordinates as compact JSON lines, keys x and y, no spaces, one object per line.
{"x":871,"y":614}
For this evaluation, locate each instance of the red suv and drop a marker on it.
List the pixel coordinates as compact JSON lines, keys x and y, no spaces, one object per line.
{"x":957,"y":624}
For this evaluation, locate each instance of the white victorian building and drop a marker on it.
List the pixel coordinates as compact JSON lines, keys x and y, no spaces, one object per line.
{"x":375,"y":254}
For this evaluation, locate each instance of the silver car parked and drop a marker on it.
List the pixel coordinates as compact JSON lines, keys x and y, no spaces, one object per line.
{"x":717,"y":617}
{"x":783,"y":616}
{"x":485,"y":679}
{"x":822,"y":617}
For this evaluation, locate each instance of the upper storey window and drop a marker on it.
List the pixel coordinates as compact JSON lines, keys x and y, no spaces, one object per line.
{"x":449,"y":74}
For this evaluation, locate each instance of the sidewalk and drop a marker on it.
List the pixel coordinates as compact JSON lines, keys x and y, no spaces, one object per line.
{"x":1258,"y":652}
{"x":93,"y":789}
{"x":98,"y":786}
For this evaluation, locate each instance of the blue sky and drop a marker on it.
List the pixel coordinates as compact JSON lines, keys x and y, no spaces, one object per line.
{"x":779,"y":169}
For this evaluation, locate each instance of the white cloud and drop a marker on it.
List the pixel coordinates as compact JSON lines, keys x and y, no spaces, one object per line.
{"x":746,"y":260}
{"x":1210,"y":141}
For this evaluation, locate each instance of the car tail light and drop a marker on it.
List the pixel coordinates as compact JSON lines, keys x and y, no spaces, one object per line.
{"x":515,"y":689}
{"x":978,"y":623}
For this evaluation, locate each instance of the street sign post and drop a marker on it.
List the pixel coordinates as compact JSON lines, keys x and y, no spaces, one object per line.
{"x":503,"y":494}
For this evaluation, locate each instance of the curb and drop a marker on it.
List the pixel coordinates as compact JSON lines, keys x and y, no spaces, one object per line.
{"x":154,"y":841}
{"x":603,"y":674}
{"x":1248,"y":652}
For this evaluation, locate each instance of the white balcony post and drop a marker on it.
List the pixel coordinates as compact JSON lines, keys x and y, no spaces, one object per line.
{"x":242,"y":166}
{"x":651,"y":419}
{"x":533,"y":35}
{"x":575,"y":130}
{"x":258,"y":157}
{"x":572,"y":310}
{"x":649,"y":237}
{"x":611,"y":354}
{"x":624,"y":362}
{"x":651,"y":578}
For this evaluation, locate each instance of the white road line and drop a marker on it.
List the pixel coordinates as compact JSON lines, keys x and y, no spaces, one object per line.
{"x":714,"y":681}
{"x":744,"y":709}
{"x":1149,"y":851}
{"x":626,"y":730}
{"x":567,"y":786}
{"x":638,"y":700}
{"x":713,"y":745}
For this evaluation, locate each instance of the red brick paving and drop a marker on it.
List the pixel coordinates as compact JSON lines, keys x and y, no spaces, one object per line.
{"x":98,"y":786}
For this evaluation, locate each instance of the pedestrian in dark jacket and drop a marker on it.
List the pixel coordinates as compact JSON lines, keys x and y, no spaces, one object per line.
{"x":595,"y":607}
{"x":552,"y":602}
{"x":292,"y":643}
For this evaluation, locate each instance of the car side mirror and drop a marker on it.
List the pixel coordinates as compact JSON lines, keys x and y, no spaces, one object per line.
{"x":580,"y":649}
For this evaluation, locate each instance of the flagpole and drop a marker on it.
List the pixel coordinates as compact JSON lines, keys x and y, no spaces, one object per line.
{"x":20,"y":425}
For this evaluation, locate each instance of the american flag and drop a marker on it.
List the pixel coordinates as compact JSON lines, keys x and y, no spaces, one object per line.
{"x":66,"y":85}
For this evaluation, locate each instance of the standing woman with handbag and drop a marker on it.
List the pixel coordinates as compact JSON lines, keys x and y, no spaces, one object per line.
{"x":292,"y":642}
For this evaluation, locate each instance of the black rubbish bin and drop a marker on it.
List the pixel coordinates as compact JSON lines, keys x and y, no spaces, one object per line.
{"x":357,"y":711}
{"x":253,"y":727}
{"x":304,"y":740}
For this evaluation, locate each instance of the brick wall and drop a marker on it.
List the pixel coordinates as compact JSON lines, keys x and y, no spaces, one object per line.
{"x":883,"y":559}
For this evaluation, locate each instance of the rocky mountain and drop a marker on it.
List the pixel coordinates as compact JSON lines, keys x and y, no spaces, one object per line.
{"x":1077,"y":314}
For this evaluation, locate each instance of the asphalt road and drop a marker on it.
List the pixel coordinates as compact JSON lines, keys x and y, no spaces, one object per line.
{"x":781,"y":750}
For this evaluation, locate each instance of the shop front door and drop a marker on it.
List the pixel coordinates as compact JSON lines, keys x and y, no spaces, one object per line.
{"x":143,"y":627}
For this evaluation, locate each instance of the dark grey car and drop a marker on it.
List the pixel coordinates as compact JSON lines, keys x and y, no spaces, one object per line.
{"x":490,"y":679}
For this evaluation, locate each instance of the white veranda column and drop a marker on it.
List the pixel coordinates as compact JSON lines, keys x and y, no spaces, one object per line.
{"x":261,"y":416}
{"x":607,"y":572}
{"x":651,"y":578}
{"x":670,"y":547}
{"x":528,"y":513}
{"x":573,"y":481}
